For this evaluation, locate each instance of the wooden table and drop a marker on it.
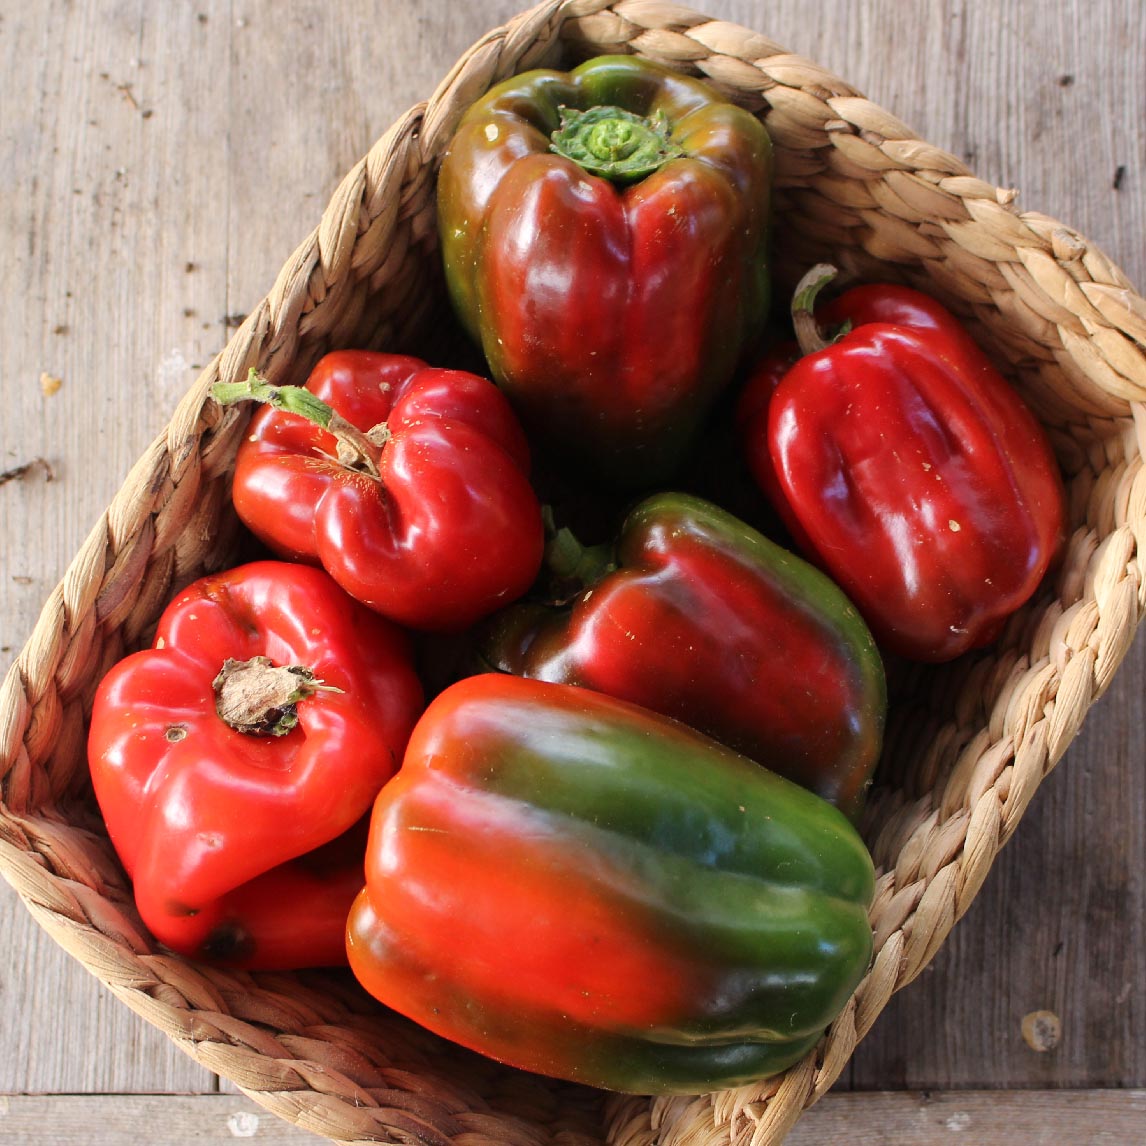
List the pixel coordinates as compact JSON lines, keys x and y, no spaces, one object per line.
{"x":162,"y":159}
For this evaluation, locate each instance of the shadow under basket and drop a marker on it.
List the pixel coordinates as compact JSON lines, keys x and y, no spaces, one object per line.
{"x":968,"y":743}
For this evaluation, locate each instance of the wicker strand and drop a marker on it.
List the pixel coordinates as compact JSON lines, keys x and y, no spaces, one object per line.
{"x":975,"y":739}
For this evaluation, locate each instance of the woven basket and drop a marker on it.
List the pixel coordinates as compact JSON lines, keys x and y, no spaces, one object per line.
{"x":968,"y":743}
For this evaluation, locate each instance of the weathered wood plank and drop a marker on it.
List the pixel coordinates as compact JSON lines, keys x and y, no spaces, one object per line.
{"x":901,"y":1118}
{"x":102,"y":112}
{"x":118,"y":1119}
{"x":310,"y":88}
{"x":982,"y":1117}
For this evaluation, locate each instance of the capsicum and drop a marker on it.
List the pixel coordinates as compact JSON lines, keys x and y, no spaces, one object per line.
{"x":697,"y":616}
{"x":408,"y":483}
{"x":604,"y":233}
{"x":234,"y":760}
{"x":579,"y":887}
{"x":905,"y":465}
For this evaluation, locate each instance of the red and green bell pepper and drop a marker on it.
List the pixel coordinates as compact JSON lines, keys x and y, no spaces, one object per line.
{"x":577,"y":886}
{"x":906,"y":466}
{"x":604,"y":233}
{"x":234,"y":761}
{"x":408,"y":483}
{"x":697,"y":616}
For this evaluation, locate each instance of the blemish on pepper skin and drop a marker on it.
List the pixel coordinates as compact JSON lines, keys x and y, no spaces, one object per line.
{"x":176,"y":733}
{"x":954,"y":526}
{"x":228,"y":942}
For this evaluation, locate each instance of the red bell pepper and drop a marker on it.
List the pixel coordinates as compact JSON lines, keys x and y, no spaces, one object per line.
{"x":233,"y":760}
{"x":605,"y":239}
{"x":906,"y":466}
{"x":695,"y":615}
{"x":409,"y":484}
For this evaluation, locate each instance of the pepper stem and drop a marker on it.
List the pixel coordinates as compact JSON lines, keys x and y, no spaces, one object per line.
{"x":808,"y":333}
{"x":573,"y":567}
{"x":260,"y":698}
{"x":614,"y":143}
{"x":356,"y":450}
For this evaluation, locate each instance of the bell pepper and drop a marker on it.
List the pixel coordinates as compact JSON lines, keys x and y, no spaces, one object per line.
{"x":697,"y":616}
{"x":579,"y":887}
{"x":234,"y":760}
{"x":905,"y":465}
{"x":409,"y":484}
{"x":604,"y":233}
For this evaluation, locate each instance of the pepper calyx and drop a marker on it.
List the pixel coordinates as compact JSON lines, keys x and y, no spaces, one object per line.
{"x":356,"y":450}
{"x":615,"y":144}
{"x":260,"y":698}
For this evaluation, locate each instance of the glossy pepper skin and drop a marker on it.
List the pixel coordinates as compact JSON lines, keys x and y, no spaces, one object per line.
{"x":241,"y":844}
{"x":612,"y":307}
{"x":579,"y":887}
{"x":703,"y":619}
{"x":431,"y":520}
{"x":907,"y":467}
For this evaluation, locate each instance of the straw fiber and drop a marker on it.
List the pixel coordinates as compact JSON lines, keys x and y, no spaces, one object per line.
{"x":969,"y":742}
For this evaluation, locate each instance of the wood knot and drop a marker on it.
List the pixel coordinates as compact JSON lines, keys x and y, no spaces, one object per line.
{"x":1042,"y":1030}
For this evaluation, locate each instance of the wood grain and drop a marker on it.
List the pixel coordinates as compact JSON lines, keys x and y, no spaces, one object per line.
{"x":163,"y":161}
{"x":903,"y":1118}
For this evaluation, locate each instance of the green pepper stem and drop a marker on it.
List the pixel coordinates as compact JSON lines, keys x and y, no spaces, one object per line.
{"x":573,"y":567}
{"x":616,"y":144}
{"x":567,"y":558}
{"x":356,"y":450}
{"x":808,"y":333}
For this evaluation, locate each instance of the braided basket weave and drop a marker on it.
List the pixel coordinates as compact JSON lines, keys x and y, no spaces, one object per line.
{"x":968,"y":743}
